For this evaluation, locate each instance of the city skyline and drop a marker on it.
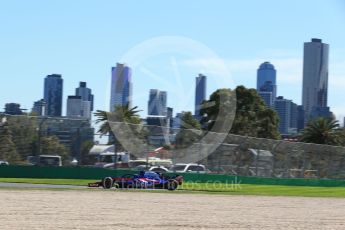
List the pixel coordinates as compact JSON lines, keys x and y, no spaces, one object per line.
{"x":83,"y":48}
{"x":121,"y":92}
{"x":315,"y":69}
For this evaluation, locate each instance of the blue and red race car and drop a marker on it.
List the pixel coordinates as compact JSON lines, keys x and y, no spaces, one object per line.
{"x":143,"y":180}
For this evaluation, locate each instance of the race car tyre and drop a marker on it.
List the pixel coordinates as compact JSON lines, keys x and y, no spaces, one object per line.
{"x":141,"y":185}
{"x":107,"y":183}
{"x":172,"y":185}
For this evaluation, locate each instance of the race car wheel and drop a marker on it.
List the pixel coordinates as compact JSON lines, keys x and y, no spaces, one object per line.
{"x":172,"y":185}
{"x":107,"y":183}
{"x":141,"y":185}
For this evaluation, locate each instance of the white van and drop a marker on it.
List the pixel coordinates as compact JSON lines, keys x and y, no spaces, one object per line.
{"x":45,"y":160}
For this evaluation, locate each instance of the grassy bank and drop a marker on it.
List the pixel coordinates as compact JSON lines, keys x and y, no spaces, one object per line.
{"x":217,"y":188}
{"x":47,"y":181}
{"x":266,"y":190}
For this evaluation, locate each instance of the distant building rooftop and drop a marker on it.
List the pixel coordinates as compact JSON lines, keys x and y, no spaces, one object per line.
{"x":266,"y":65}
{"x":316,"y":40}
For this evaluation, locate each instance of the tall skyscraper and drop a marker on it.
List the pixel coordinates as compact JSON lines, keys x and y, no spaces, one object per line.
{"x":283,"y":109}
{"x":266,"y":82}
{"x":39,"y":107}
{"x":177,"y":120}
{"x":53,"y":89}
{"x":80,"y":105}
{"x":85,"y":93}
{"x":320,"y":111}
{"x":170,"y":112}
{"x":86,"y":109}
{"x":300,"y":118}
{"x":315,"y":77}
{"x":121,"y":86}
{"x":293,"y":117}
{"x":267,"y":98}
{"x":157,"y":104}
{"x":74,"y":106}
{"x":200,"y":92}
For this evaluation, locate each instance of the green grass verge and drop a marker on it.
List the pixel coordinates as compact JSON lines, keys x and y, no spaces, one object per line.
{"x":47,"y":181}
{"x":266,"y":190}
{"x":216,"y":188}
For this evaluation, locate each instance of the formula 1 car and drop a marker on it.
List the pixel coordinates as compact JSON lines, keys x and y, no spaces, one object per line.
{"x":143,"y":180}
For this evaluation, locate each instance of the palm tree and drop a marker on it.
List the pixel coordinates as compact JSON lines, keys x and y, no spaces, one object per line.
{"x":120,"y":114}
{"x":323,"y":131}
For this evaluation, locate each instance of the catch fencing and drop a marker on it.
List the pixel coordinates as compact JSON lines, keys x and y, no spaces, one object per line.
{"x":220,"y":153}
{"x":223,"y":153}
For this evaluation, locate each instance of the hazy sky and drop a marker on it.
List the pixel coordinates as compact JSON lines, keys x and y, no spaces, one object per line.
{"x":82,"y":40}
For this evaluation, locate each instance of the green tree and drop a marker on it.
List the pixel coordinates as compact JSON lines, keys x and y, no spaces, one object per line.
{"x":220,"y":107}
{"x":120,"y":114}
{"x":85,"y":149}
{"x":323,"y":131}
{"x":8,"y":151}
{"x":24,"y":134}
{"x":190,"y":131}
{"x":253,"y":118}
{"x":268,"y":123}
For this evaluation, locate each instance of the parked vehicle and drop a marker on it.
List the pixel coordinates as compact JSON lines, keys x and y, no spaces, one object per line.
{"x":188,"y":168}
{"x":4,"y":163}
{"x":107,"y":159}
{"x":158,"y":168}
{"x":152,"y":161}
{"x":45,"y":160}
